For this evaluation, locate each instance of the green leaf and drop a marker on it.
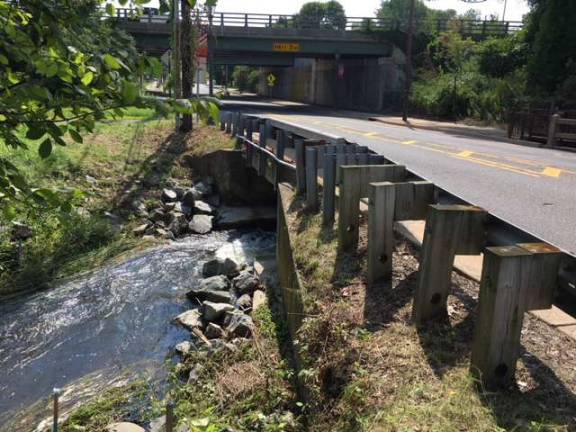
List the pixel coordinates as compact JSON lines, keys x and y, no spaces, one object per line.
{"x":35,"y":132}
{"x":112,"y":61}
{"x":3,"y":59}
{"x":76,"y":136}
{"x":45,"y":148}
{"x":130,"y":92}
{"x":9,"y":212}
{"x":87,"y":78}
{"x":110,"y":9}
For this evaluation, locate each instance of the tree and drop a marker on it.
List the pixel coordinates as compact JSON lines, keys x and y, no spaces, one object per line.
{"x":322,"y":15}
{"x":551,"y":33}
{"x":62,"y":69}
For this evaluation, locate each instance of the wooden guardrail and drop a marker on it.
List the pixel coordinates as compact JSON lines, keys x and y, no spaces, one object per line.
{"x":555,"y":133}
{"x":516,"y":278}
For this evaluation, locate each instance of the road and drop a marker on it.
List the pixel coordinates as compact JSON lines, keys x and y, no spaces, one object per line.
{"x":531,"y":188}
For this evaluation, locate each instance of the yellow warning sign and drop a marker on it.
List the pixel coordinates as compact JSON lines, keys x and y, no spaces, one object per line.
{"x":286,"y":47}
{"x":271,"y":80}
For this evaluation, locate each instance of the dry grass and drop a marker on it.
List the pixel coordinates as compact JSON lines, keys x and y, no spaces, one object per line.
{"x":369,"y":368}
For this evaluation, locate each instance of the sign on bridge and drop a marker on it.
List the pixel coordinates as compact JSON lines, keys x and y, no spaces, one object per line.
{"x":286,"y":47}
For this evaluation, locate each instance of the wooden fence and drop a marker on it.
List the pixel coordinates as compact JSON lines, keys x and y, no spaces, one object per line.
{"x":516,"y":278}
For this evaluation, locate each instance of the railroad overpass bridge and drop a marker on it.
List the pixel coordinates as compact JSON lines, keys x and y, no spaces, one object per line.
{"x":275,"y":40}
{"x":352,"y":63}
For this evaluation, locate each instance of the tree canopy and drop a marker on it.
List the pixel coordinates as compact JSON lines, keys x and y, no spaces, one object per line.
{"x":322,"y":15}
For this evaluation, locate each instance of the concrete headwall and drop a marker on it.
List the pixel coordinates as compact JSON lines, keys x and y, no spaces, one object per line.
{"x":373,"y":84}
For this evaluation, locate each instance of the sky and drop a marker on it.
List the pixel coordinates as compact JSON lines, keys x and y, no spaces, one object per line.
{"x":515,"y":9}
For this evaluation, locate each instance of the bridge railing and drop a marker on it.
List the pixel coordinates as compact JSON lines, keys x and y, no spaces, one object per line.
{"x":474,"y":28}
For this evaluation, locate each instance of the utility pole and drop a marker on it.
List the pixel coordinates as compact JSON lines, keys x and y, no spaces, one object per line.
{"x":176,"y":83}
{"x":408,"y":71}
{"x":186,"y":49}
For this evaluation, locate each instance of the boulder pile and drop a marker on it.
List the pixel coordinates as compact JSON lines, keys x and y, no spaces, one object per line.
{"x":225,"y":299}
{"x":180,"y":211}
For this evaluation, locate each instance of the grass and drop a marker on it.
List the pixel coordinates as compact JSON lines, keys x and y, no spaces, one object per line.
{"x":122,"y":163}
{"x":368,"y":368}
{"x":117,"y":404}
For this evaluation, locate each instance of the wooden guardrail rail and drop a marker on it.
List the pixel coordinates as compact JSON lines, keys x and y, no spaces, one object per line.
{"x":555,"y":134}
{"x":516,"y":278}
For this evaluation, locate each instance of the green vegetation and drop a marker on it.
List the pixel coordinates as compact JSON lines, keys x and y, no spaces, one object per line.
{"x":132,"y":400}
{"x":243,"y":387}
{"x":121,"y":164}
{"x":246,"y":78}
{"x":459,"y":74}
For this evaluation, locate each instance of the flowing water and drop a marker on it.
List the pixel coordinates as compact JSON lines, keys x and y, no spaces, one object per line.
{"x":115,"y":319}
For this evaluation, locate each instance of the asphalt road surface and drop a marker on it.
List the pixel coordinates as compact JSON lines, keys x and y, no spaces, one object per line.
{"x":531,"y":188}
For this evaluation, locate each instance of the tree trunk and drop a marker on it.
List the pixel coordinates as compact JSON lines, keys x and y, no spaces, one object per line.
{"x":187,"y":58}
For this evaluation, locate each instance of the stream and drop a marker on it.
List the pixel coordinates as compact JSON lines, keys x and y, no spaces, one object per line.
{"x":83,"y":334}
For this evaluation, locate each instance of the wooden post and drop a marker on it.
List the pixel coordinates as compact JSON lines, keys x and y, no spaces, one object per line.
{"x":354,"y":185}
{"x":249,"y":128}
{"x":312,"y":179}
{"x":506,"y":292}
{"x":229,"y":122}
{"x":223,"y":120}
{"x":340,"y":160}
{"x":169,"y":422}
{"x":262,"y":158}
{"x":375,"y":159}
{"x":552,"y":130}
{"x":380,"y":231}
{"x":450,"y":230}
{"x":300,"y":166}
{"x":390,"y":202}
{"x":329,"y":189}
{"x":281,"y":138}
{"x":239,"y":130}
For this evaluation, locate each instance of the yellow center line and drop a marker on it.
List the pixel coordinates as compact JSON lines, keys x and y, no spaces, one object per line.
{"x":498,"y":166}
{"x":465,"y":154}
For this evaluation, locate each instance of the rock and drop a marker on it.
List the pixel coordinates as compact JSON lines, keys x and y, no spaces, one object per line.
{"x":180,"y":191}
{"x":185,"y":209}
{"x":258,"y":268}
{"x":184,"y":348}
{"x":244,"y":303}
{"x":162,"y":233}
{"x":124,"y":427}
{"x":148,"y":237}
{"x":203,"y":188}
{"x":189,"y":197}
{"x":169,"y":206}
{"x":141,"y":229}
{"x":157,"y":425}
{"x":190,"y":319}
{"x":214,"y":331}
{"x":201,"y":224}
{"x":218,"y":266}
{"x":246,"y":282}
{"x":240,"y":326}
{"x":179,"y":224}
{"x":199,"y":295}
{"x":214,"y":311}
{"x":201,"y":207}
{"x":157,"y":215}
{"x":215,"y":283}
{"x":21,"y":231}
{"x":168,"y":195}
{"x":195,"y":373}
{"x":258,"y":300}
